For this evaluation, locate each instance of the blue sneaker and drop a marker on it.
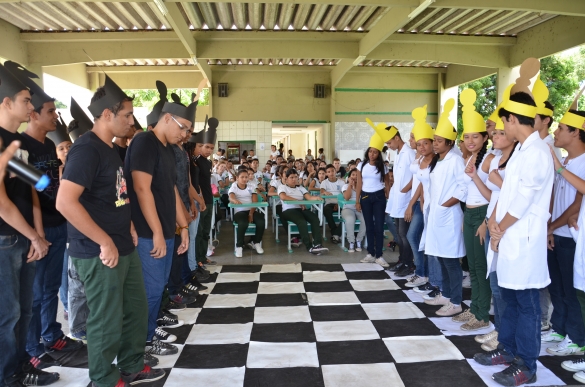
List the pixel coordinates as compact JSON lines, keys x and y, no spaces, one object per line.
{"x":79,"y":336}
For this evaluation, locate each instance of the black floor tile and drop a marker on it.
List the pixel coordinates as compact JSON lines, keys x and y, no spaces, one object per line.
{"x":353,"y":352}
{"x":213,"y":356}
{"x":235,"y":288}
{"x":446,"y":373}
{"x":281,"y":277}
{"x":382,"y":296}
{"x":299,"y":332}
{"x":241,"y":269}
{"x":333,"y":286}
{"x":406,"y":327}
{"x":294,"y":299}
{"x":225,"y":316}
{"x":337,"y":313}
{"x":367,"y":275}
{"x":321,"y":267}
{"x":284,"y":377}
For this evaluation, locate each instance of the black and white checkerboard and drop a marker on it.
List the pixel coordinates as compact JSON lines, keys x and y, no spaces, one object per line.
{"x":318,"y":325}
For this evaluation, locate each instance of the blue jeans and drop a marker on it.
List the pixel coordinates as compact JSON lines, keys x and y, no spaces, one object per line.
{"x":43,"y":323}
{"x":452,"y":278}
{"x":414,"y":235}
{"x":156,"y":273}
{"x":435,"y":271}
{"x":373,"y":206}
{"x":499,"y":303}
{"x":191,"y":253}
{"x":563,"y":295}
{"x":65,"y":281}
{"x":16,"y":281}
{"x":520,"y":325}
{"x":391,"y":227}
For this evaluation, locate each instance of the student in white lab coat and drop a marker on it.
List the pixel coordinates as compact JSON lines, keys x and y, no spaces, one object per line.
{"x":444,"y":234}
{"x":518,"y":229}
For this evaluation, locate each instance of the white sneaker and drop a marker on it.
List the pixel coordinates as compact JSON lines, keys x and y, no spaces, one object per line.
{"x":238,"y":252}
{"x":487,"y":337}
{"x":439,"y":300}
{"x":351,"y":248}
{"x":579,"y":376}
{"x":358,"y":246}
{"x":565,"y":348}
{"x":574,"y":365}
{"x":382,"y":262}
{"x":368,"y":259}
{"x":551,"y":336}
{"x":258,"y":248}
{"x":415,"y":281}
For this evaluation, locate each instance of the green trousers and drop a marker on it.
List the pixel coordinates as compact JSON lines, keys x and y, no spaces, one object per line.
{"x":241,"y":218}
{"x":581,"y":298}
{"x":118,"y":316}
{"x":481,"y":293}
{"x":328,"y":212}
{"x":300,"y":218}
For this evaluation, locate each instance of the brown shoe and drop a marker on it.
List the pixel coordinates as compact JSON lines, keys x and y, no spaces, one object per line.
{"x":474,"y":325}
{"x":448,"y":310}
{"x":463,"y":317}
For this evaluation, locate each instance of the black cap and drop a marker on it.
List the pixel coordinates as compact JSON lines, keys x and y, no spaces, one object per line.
{"x":114,"y":95}
{"x":178,"y":109}
{"x":60,"y":134}
{"x":9,"y":84}
{"x":82,"y":123}
{"x":153,"y":116}
{"x":197,"y":138}
{"x":39,"y":97}
{"x":210,"y":135}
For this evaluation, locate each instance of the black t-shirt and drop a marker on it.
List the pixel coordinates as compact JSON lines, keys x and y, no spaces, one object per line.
{"x":122,"y":152}
{"x":182,"y":164}
{"x":194,"y":172}
{"x":205,"y":179}
{"x":97,"y":167}
{"x":44,"y":158}
{"x":147,"y":154}
{"x":19,"y":192}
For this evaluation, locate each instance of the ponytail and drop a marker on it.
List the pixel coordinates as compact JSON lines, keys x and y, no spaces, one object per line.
{"x":503,"y":166}
{"x":481,"y":154}
{"x":434,"y":161}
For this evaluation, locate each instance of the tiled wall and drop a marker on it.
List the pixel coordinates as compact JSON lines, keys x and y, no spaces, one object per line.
{"x":356,"y":135}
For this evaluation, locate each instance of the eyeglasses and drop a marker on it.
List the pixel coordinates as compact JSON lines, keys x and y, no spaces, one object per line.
{"x":181,"y":126}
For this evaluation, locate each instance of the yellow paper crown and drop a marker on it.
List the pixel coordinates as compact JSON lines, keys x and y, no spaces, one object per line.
{"x":505,"y":97}
{"x":540,"y":93}
{"x":494,"y":116}
{"x":421,"y":128}
{"x":445,"y":128}
{"x":572,"y":119}
{"x":528,"y":69}
{"x":385,"y":132}
{"x":376,"y":142}
{"x":472,"y":121}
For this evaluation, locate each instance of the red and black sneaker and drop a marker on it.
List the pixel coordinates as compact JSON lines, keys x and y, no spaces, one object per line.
{"x":31,"y":376}
{"x":146,"y":375}
{"x":63,"y":344}
{"x":516,"y":374}
{"x":44,"y":361}
{"x":496,"y":357}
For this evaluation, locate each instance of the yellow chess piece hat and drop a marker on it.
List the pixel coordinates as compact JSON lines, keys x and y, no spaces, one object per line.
{"x":572,"y":119}
{"x":445,"y":128}
{"x":421,"y":128}
{"x":472,"y":121}
{"x":385,"y":132}
{"x":376,"y":142}
{"x":528,"y":69}
{"x":505,"y":97}
{"x":540,"y":93}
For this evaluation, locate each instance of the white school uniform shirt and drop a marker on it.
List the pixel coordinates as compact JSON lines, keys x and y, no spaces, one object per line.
{"x":526,"y":191}
{"x":371,"y":178}
{"x":243,"y":195}
{"x":444,"y":234}
{"x":297,"y":193}
{"x":564,"y":193}
{"x":333,"y":187}
{"x":398,"y":201}
{"x":579,"y":262}
{"x":353,"y":197}
{"x":494,"y":164}
{"x":549,"y":140}
{"x":309,"y":157}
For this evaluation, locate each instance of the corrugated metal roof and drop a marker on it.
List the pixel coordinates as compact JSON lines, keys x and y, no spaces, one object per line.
{"x":109,"y":16}
{"x":216,"y":62}
{"x":401,"y":63}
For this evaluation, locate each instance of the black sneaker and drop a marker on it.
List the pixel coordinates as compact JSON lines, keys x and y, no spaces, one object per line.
{"x":63,"y":344}
{"x":176,"y":307}
{"x":495,"y":357}
{"x":183,"y":299}
{"x":146,"y":375}
{"x":157,"y":347}
{"x":190,"y":290}
{"x":44,"y":361}
{"x":397,"y":266}
{"x":164,"y":336}
{"x":318,"y":249}
{"x":201,"y":275}
{"x":433,"y":293}
{"x":193,"y":281}
{"x":426,"y":288}
{"x":167,"y":321}
{"x":150,"y":360}
{"x":404,"y":272}
{"x":515,"y":375}
{"x":31,"y":376}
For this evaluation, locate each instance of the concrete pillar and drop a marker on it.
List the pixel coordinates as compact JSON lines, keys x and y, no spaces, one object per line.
{"x":505,"y":77}
{"x":329,"y":131}
{"x":11,"y":47}
{"x":444,"y":95}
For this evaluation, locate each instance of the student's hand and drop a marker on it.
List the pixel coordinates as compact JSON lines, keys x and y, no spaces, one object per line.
{"x":550,"y":242}
{"x":250,"y":217}
{"x":109,"y":254}
{"x":236,"y":201}
{"x":39,"y":247}
{"x":481,"y":232}
{"x":203,"y":207}
{"x":326,"y":193}
{"x":6,"y":155}
{"x":408,"y":214}
{"x":556,"y":161}
{"x":572,"y":222}
{"x":358,"y":207}
{"x":134,"y":235}
{"x":496,"y":178}
{"x":470,"y":171}
{"x":303,"y":208}
{"x":496,"y":232}
{"x":184,"y":241}
{"x":495,"y":244}
{"x":194,"y":213}
{"x":159,"y":246}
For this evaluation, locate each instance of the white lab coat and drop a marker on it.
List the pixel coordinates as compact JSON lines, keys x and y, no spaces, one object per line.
{"x":525,"y":194}
{"x":579,"y":263}
{"x":444,"y":232}
{"x":398,"y":201}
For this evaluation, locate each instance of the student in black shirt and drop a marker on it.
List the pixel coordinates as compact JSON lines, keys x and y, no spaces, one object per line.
{"x":93,"y":197}
{"x":156,"y":210}
{"x":20,"y":244}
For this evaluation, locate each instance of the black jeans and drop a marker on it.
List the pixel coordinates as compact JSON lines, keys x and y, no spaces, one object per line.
{"x":373,"y":206}
{"x":203,"y":233}
{"x":328,"y":212}
{"x":241,"y":218}
{"x":300,"y":218}
{"x":175,"y":283}
{"x":406,"y":256}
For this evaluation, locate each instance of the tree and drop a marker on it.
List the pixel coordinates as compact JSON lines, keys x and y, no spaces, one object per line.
{"x":148,"y":97}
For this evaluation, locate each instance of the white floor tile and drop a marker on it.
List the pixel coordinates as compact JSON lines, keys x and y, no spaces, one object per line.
{"x":345,"y":330}
{"x":361,"y":267}
{"x":361,"y":375}
{"x":237,"y":277}
{"x":333,"y":298}
{"x":282,"y":355}
{"x":70,"y":377}
{"x":392,"y":311}
{"x":281,"y":287}
{"x":416,"y":349}
{"x":286,"y":268}
{"x":324,"y":276}
{"x":369,"y":285}
{"x":189,"y":315}
{"x":210,"y":286}
{"x":282,"y":314}
{"x":449,"y":327}
{"x":230,"y":301}
{"x":414,"y":296}
{"x":169,"y":361}
{"x":544,"y":377}
{"x":216,"y":377}
{"x":220,"y":334}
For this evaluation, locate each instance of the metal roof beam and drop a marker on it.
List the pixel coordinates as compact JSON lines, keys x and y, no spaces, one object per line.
{"x":556,"y":7}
